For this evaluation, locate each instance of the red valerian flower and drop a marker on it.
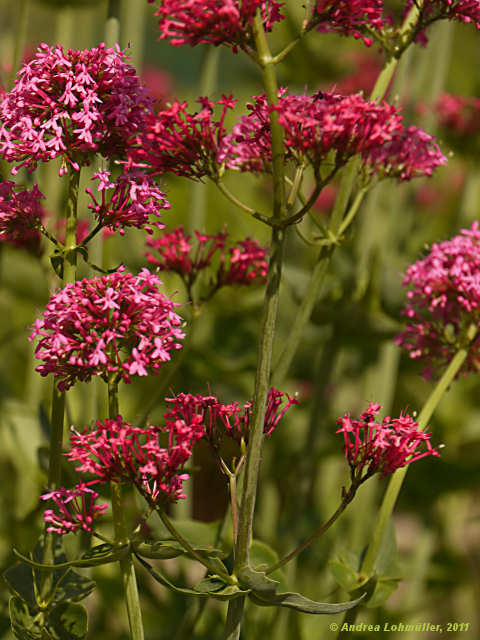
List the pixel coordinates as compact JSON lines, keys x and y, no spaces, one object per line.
{"x":118,"y":452}
{"x":72,"y":104}
{"x":21,"y":216}
{"x":75,"y":509}
{"x":348,"y":17}
{"x":382,"y":447}
{"x":241,"y":264}
{"x":215,"y":22}
{"x":444,"y":303}
{"x":458,"y":114}
{"x":114,"y":324}
{"x":315,"y":126}
{"x":183,"y":143}
{"x":133,"y":199}
{"x":234,"y":418}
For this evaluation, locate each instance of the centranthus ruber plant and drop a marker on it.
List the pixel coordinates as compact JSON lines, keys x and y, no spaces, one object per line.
{"x":257,"y":169}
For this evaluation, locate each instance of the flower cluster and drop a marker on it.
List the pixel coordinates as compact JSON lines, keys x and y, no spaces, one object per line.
{"x":119,"y":452}
{"x":323,"y":123}
{"x":243,"y":264}
{"x":458,"y":114}
{"x":116,"y":325}
{"x":348,"y":16}
{"x":234,"y":418}
{"x":444,"y":302}
{"x":134,"y":198}
{"x":75,"y":509}
{"x":71,"y":104}
{"x":214,"y":21}
{"x":382,"y":447}
{"x":183,"y":143}
{"x":21,"y":216}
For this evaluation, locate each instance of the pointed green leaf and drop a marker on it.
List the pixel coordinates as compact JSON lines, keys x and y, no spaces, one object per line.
{"x":382,"y":592}
{"x":346,"y":577}
{"x":258,"y":582}
{"x":156,"y":575}
{"x":160,"y":550}
{"x":101,"y":554}
{"x":301,"y":603}
{"x":26,"y":625}
{"x":210,"y":585}
{"x":263,"y":556}
{"x":69,"y":621}
{"x":387,"y":552}
{"x":19,"y":578}
{"x":72,"y":587}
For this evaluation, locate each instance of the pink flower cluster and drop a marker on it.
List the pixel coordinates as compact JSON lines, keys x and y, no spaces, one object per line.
{"x":459,"y":115}
{"x":115,"y":324}
{"x":349,"y":16}
{"x":21,"y":216}
{"x":133,"y":198}
{"x":234,"y":419}
{"x":72,"y":104}
{"x":381,"y":447}
{"x":119,"y":452}
{"x":75,"y":509}
{"x":243,"y":264}
{"x":317,"y":125}
{"x":182,"y":143}
{"x":443,"y":302}
{"x":214,"y":21}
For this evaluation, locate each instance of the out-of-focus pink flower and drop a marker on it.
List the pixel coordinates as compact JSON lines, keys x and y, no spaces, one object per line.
{"x":119,"y":452}
{"x":459,"y":114}
{"x":75,"y":509}
{"x":159,"y":83}
{"x":81,"y":231}
{"x":72,"y":104}
{"x":115,"y":324}
{"x":21,"y":216}
{"x":183,"y":143}
{"x":382,"y":447}
{"x":133,"y":199}
{"x":326,"y":199}
{"x":315,"y":126}
{"x":241,"y":264}
{"x":234,"y":418}
{"x":365,"y":67}
{"x":215,"y":22}
{"x":443,"y":302}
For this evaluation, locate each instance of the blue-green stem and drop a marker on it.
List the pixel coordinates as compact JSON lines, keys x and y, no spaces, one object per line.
{"x":127,"y":568}
{"x":269,"y":315}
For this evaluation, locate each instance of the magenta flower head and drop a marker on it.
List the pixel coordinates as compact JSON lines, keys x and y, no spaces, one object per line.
{"x":118,"y":325}
{"x":72,"y":104}
{"x":130,"y":201}
{"x":183,"y":143}
{"x":215,"y":22}
{"x":381,"y":447}
{"x":231,"y":419}
{"x":458,"y":116}
{"x":349,"y":17}
{"x":75,"y":509}
{"x":315,"y":126}
{"x":118,"y":452}
{"x":443,"y":303}
{"x":21,"y":216}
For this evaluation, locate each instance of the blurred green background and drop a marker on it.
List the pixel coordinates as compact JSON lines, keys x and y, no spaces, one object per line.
{"x":347,"y":356}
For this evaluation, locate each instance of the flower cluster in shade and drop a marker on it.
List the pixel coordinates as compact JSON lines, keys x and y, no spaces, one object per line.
{"x":73,"y":104}
{"x":74,"y":509}
{"x":151,"y":458}
{"x":241,"y":264}
{"x":315,"y":126}
{"x":131,"y":200}
{"x":177,"y":141}
{"x":214,"y":22}
{"x":458,"y":117}
{"x":21,"y":216}
{"x":232,"y":418}
{"x":443,"y":303}
{"x":371,"y":19}
{"x":118,"y":325}
{"x":382,"y":447}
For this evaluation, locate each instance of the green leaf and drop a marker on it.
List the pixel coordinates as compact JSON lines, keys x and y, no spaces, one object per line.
{"x":345,"y":576}
{"x":101,"y":554}
{"x":258,"y":582}
{"x":160,"y":550}
{"x":210,"y":585}
{"x":156,"y":575}
{"x":382,"y":592}
{"x":19,"y":578}
{"x":26,"y":625}
{"x":72,"y":587}
{"x":301,"y":603}
{"x":197,"y":534}
{"x":263,"y":556}
{"x":69,"y":621}
{"x":387,"y":552}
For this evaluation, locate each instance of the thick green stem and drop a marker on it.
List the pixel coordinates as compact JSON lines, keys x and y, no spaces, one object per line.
{"x":20,"y":36}
{"x":269,"y":315}
{"x":70,"y":260}
{"x":127,"y":568}
{"x":112,"y":25}
{"x":396,"y":480}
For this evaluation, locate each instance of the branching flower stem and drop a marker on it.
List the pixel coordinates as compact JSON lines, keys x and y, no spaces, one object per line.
{"x":127,"y":568}
{"x":269,"y":315}
{"x":396,"y":481}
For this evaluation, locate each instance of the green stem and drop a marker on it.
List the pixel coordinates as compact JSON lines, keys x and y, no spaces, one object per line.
{"x":127,"y":568}
{"x":269,"y":315}
{"x":349,"y":495}
{"x":20,"y":37}
{"x":112,"y":25}
{"x":70,"y":261}
{"x":397,"y":478}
